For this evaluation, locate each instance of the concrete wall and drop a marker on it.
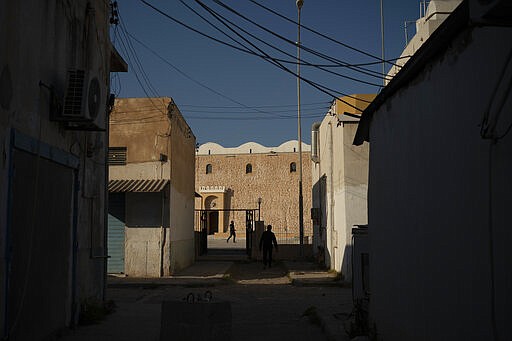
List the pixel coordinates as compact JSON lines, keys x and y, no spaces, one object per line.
{"x":41,"y":40}
{"x":182,"y":156}
{"x":439,"y":197}
{"x":340,"y":178}
{"x":142,"y":251}
{"x":150,"y":128}
{"x":270,"y":180}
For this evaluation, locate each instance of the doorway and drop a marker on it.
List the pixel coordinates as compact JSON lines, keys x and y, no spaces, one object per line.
{"x":213,"y":222}
{"x":207,"y":225}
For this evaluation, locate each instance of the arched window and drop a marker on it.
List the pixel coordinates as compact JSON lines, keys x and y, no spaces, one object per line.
{"x":248,"y":168}
{"x":293,"y":167}
{"x":208,"y":168}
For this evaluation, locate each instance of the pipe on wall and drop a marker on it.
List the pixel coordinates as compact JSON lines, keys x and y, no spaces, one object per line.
{"x":331,"y":197}
{"x":315,"y":147}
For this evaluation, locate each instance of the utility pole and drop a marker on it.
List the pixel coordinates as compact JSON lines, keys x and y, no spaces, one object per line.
{"x":299,"y":4}
{"x":382,"y":42}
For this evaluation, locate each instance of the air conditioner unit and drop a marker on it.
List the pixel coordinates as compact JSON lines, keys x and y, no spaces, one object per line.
{"x":85,"y":101}
{"x":491,"y":11}
{"x":86,"y":93}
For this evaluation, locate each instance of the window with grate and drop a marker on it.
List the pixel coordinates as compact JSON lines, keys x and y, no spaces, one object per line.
{"x":117,"y":156}
{"x":208,"y":168}
{"x":248,"y":168}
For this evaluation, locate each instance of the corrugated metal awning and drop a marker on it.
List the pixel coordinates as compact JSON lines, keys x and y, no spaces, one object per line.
{"x":137,"y":185}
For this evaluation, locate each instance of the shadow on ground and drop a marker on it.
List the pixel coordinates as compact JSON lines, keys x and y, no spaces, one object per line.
{"x":252,"y":270}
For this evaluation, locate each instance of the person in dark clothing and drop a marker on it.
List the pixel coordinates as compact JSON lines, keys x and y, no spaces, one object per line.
{"x":267,"y":239}
{"x":232,"y":232}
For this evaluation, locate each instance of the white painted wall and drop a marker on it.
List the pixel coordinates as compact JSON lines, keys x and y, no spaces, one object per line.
{"x":342,"y":200}
{"x":430,"y":198}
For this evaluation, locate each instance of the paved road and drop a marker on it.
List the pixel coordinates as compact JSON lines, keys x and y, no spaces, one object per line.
{"x":265,"y":305}
{"x":220,"y":243}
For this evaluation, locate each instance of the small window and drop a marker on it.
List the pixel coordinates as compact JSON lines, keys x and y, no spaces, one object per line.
{"x":208,"y":168}
{"x":117,"y":156}
{"x":293,"y":167}
{"x":248,"y":168}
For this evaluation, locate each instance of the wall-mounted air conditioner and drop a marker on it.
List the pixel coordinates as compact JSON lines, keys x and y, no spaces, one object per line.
{"x":86,"y":96}
{"x":85,"y":101}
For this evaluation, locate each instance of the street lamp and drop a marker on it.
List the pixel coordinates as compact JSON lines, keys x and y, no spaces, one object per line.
{"x":299,"y":4}
{"x":259,"y":208}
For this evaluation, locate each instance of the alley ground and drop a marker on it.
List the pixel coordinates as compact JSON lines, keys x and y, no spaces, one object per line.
{"x":291,"y":300}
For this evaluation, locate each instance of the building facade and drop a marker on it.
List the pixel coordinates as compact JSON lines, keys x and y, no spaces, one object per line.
{"x":340,"y":182}
{"x":55,"y":65}
{"x":151,"y":185}
{"x":439,"y":187}
{"x":235,"y":178}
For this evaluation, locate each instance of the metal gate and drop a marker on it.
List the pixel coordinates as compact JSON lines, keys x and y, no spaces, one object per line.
{"x":249,"y":229}
{"x":201,"y":228}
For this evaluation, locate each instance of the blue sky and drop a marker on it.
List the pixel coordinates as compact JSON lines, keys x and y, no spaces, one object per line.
{"x":231,"y":97}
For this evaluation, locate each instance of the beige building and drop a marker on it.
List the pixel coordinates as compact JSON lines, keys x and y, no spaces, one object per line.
{"x":151,"y":185}
{"x":234,"y":178}
{"x":340,"y":182}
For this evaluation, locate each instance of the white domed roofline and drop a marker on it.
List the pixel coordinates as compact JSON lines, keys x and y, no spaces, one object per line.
{"x":211,"y":148}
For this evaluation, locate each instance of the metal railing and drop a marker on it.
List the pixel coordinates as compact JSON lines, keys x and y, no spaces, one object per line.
{"x":287,"y":235}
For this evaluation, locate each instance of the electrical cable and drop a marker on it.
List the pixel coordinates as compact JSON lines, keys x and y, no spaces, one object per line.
{"x":303,"y":47}
{"x":380,"y":60}
{"x":303,"y":62}
{"x":245,"y":112}
{"x":138,"y":63}
{"x":255,"y":109}
{"x":313,"y":105}
{"x":221,"y":118}
{"x":322,"y":67}
{"x":282,"y":67}
{"x":261,"y":106}
{"x":135,"y":72}
{"x":130,"y":50}
{"x":313,"y":84}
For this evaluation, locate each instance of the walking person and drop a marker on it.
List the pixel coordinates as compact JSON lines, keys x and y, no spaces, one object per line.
{"x":232,"y":232}
{"x":267,"y":242}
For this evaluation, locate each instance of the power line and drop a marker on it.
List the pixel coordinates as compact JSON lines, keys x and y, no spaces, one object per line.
{"x":317,"y":86}
{"x":216,"y":118}
{"x":323,"y":67}
{"x":305,"y":48}
{"x":303,"y":62}
{"x":143,"y":109}
{"x":133,"y":53}
{"x":261,"y":106}
{"x":244,"y":112}
{"x":315,"y":104}
{"x":270,"y":59}
{"x":380,"y":60}
{"x":195,"y":81}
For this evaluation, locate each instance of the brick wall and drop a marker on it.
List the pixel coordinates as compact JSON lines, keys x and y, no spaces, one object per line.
{"x":270,"y":179}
